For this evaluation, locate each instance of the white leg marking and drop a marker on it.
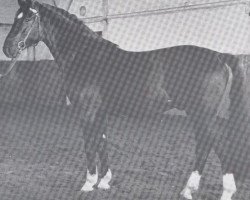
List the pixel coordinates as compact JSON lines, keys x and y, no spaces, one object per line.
{"x":104,"y":136}
{"x":104,"y":183}
{"x":192,"y":185}
{"x":229,"y":187}
{"x":91,"y":180}
{"x":68,"y":101}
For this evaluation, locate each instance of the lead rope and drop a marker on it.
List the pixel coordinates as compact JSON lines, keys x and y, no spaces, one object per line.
{"x":12,"y":64}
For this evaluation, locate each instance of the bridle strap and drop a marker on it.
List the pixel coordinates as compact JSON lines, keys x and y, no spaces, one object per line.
{"x":22,"y":44}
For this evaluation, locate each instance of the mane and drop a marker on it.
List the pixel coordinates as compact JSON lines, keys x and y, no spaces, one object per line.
{"x":77,"y":26}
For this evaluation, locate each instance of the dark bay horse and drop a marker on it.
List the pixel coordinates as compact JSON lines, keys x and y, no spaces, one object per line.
{"x":102,"y":79}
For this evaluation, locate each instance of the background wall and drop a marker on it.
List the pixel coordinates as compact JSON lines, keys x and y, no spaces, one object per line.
{"x":144,"y":25}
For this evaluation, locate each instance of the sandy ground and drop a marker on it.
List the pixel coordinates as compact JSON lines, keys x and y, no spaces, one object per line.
{"x":42,"y":157}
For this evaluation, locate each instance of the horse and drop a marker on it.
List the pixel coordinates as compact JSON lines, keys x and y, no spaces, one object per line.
{"x":101,"y":79}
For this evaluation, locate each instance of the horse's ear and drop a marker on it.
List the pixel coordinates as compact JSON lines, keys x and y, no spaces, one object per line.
{"x":25,"y":3}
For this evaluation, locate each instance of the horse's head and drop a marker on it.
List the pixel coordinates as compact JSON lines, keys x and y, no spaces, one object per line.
{"x":25,"y":30}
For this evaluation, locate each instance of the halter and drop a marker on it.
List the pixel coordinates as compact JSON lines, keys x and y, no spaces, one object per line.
{"x":22,"y":44}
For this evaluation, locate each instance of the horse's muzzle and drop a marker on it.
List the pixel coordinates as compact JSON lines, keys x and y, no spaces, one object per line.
{"x":9,"y":52}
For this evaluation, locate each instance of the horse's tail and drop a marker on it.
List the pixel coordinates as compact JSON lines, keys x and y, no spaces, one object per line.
{"x":227,"y":90}
{"x":238,"y":94}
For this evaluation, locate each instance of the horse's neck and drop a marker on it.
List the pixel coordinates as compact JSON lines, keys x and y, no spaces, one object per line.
{"x":59,"y":45}
{"x":64,"y":46}
{"x":53,"y":43}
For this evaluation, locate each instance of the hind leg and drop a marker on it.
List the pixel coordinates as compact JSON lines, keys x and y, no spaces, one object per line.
{"x":228,"y":178}
{"x":203,"y":112}
{"x":233,"y":157}
{"x":203,"y":118}
{"x":204,"y":145}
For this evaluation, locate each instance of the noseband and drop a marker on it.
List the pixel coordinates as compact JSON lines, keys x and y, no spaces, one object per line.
{"x":22,"y":44}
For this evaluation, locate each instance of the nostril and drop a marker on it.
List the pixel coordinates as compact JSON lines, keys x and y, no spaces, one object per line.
{"x":7,"y":51}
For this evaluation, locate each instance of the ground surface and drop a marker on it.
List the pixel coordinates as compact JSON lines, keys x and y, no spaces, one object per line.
{"x":42,"y":157}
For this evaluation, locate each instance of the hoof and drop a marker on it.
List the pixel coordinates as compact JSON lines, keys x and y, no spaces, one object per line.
{"x":91,"y":181}
{"x":104,"y":186}
{"x":229,"y":187}
{"x":104,"y":183}
{"x":226,"y":195}
{"x":192,"y":185}
{"x":186,"y":193}
{"x":87,"y":188}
